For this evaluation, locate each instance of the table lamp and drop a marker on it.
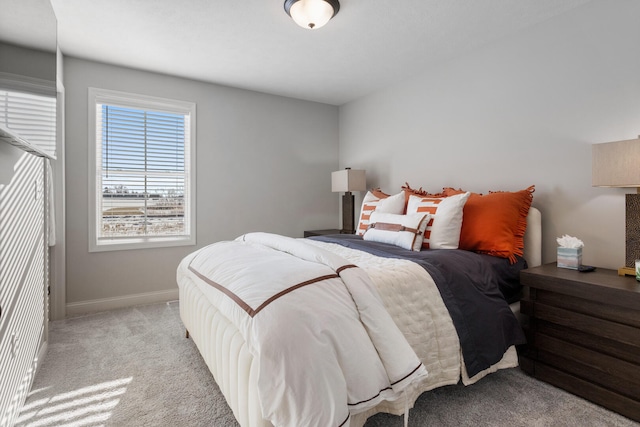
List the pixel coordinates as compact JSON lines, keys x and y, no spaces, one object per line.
{"x":348,"y":180}
{"x":617,"y":164}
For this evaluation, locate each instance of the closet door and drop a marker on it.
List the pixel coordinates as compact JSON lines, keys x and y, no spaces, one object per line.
{"x":22,"y":275}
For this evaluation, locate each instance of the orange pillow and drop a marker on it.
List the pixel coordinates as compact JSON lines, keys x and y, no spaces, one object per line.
{"x":495,"y":223}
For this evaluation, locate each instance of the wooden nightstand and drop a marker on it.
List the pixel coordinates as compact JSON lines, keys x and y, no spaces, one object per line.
{"x":583,"y":334}
{"x":310,"y":233}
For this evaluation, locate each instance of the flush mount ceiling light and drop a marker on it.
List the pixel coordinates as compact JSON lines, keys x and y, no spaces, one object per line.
{"x":311,"y":14}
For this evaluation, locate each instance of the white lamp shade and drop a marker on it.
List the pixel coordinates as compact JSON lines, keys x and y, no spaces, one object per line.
{"x":348,"y":180}
{"x":616,"y":164}
{"x":311,"y":14}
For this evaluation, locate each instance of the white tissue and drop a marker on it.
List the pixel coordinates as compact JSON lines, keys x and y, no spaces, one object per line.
{"x":567,"y":241}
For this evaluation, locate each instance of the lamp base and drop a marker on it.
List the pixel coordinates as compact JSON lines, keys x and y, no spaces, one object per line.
{"x":348,"y":226}
{"x":626,"y":271}
{"x":632,"y":230}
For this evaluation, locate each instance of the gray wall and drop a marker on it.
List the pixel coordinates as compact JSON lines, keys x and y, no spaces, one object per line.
{"x":28,"y":62}
{"x":521,"y":111}
{"x":263,"y":163}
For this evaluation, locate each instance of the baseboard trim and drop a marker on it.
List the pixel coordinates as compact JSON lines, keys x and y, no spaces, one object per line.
{"x":104,"y":304}
{"x":42,"y":352}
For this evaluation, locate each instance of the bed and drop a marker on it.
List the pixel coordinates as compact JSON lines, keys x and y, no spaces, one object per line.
{"x":403,"y":330}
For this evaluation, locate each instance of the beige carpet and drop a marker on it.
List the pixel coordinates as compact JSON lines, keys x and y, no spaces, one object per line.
{"x":134,"y":367}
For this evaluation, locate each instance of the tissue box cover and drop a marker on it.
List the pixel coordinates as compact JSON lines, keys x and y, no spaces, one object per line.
{"x":569,"y":258}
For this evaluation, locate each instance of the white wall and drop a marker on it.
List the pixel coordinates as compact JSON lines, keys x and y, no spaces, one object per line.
{"x":263,"y":163}
{"x":521,"y":111}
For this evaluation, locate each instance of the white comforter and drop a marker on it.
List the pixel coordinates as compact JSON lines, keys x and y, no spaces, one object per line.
{"x":327,"y":347}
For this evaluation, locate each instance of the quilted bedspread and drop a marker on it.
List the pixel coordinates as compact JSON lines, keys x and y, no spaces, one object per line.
{"x":326,"y":345}
{"x":467,"y":284}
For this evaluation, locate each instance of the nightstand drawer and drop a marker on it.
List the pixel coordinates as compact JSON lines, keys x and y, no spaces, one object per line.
{"x":628,"y":353}
{"x":585,"y":323}
{"x":597,"y":309}
{"x":608,"y":371}
{"x":600,"y":395}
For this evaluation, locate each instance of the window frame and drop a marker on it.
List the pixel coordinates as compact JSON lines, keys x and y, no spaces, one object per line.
{"x":144,"y":102}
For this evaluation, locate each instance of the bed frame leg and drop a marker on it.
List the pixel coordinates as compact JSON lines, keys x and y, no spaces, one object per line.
{"x":187,"y":333}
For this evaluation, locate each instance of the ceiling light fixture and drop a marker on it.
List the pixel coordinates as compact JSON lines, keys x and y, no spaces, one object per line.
{"x":311,"y":14}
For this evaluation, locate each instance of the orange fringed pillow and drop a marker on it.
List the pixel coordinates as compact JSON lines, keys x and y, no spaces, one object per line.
{"x":495,"y":223}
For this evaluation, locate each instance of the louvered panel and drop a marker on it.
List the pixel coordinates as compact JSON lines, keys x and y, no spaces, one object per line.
{"x":32,"y":117}
{"x":22,"y":275}
{"x":17,"y":235}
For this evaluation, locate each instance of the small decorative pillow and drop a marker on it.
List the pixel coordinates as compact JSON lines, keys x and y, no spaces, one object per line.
{"x":443,"y":231}
{"x":405,"y":231}
{"x":408,"y":192}
{"x":378,"y":201}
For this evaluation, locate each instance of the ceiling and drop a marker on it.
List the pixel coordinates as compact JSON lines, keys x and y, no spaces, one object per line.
{"x":254,"y":44}
{"x":29,"y":23}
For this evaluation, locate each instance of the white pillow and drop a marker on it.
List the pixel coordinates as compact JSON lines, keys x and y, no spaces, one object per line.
{"x":392,"y":204}
{"x":405,"y":231}
{"x":443,"y":232}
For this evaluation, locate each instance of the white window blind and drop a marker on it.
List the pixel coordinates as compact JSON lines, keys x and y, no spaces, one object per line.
{"x":143,"y":171}
{"x":31,"y":116}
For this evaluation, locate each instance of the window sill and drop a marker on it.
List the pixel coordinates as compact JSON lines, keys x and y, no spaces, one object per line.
{"x":140,"y":243}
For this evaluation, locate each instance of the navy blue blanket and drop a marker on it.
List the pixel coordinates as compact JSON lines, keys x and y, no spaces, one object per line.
{"x":469,"y":285}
